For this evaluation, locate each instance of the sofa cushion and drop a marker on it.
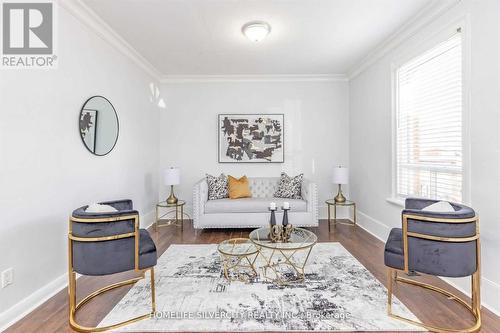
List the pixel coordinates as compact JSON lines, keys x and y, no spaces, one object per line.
{"x":251,"y":205}
{"x":440,"y":206}
{"x":217,"y":187}
{"x":238,"y":188}
{"x":289,"y":187}
{"x":98,"y":208}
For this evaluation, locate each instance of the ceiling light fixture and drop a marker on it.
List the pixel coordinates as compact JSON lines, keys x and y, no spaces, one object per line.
{"x":256,"y":30}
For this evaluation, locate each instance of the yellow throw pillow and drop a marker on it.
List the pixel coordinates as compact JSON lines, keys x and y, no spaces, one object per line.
{"x":239,"y":188}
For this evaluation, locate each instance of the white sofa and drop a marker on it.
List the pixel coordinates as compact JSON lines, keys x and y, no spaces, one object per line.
{"x":253,"y":212}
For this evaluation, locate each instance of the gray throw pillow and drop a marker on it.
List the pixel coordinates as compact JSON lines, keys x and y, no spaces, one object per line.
{"x":289,"y":187}
{"x":217,"y":187}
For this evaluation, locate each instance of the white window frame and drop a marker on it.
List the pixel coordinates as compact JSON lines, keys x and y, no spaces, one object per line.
{"x":421,"y":47}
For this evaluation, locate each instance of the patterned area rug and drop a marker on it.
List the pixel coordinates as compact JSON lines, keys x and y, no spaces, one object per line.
{"x":192,"y":295}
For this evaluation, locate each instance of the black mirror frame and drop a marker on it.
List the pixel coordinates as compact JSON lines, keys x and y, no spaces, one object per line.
{"x":117,"y":125}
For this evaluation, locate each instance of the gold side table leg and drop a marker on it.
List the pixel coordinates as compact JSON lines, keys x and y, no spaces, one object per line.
{"x":354,"y":214}
{"x":176,"y":215}
{"x":334,"y":215}
{"x":157,"y":218}
{"x":182,"y":217}
{"x":329,"y":222}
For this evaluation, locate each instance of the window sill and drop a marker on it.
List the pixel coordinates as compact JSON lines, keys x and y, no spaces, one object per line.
{"x":396,"y":201}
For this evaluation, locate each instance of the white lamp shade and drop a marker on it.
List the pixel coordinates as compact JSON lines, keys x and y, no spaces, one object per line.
{"x":172,"y":176}
{"x":340,"y":175}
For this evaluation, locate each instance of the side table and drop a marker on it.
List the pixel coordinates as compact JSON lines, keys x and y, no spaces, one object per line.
{"x":238,"y":258}
{"x":177,"y":208}
{"x":331,"y":202}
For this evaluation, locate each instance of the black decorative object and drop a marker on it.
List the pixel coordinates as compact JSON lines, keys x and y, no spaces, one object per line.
{"x":285,"y":217}
{"x":273,"y":217}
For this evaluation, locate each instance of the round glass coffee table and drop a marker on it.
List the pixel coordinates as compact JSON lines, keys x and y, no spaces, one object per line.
{"x":284,"y":261}
{"x":238,"y":258}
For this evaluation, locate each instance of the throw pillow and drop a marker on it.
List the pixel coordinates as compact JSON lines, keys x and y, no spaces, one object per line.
{"x":98,"y":208}
{"x":239,"y":188}
{"x":439,"y":207}
{"x":217,"y":187}
{"x":289,"y":187}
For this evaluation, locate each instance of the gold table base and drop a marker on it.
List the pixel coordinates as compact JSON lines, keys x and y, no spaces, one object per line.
{"x":178,"y":221}
{"x":282,"y":257}
{"x":239,"y":268}
{"x":351,"y":223}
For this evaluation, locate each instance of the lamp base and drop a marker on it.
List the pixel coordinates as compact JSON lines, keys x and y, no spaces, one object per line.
{"x":340,"y":197}
{"x":172,"y":198}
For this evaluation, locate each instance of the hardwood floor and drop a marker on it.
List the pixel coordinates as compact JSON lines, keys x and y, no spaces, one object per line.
{"x":52,"y":316}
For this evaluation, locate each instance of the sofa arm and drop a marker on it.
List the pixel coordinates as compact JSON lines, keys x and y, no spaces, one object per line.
{"x":200,"y":197}
{"x":309,"y":193}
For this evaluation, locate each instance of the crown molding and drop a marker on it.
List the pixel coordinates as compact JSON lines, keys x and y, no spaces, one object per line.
{"x":427,"y":14}
{"x":89,"y":18}
{"x":253,"y":78}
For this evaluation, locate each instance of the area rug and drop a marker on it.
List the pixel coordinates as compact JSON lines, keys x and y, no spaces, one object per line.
{"x":338,"y":294}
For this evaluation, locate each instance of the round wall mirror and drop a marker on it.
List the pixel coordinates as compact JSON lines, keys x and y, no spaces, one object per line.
{"x":98,"y":124}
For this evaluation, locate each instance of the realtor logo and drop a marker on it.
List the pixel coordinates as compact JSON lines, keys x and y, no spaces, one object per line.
{"x":28,"y":35}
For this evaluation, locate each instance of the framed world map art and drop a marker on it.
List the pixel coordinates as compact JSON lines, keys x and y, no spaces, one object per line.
{"x":251,"y":138}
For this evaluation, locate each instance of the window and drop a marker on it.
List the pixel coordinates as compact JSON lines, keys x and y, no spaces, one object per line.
{"x":429,"y":161}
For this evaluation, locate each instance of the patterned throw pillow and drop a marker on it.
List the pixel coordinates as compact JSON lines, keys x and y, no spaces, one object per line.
{"x":217,"y":187}
{"x":289,"y":187}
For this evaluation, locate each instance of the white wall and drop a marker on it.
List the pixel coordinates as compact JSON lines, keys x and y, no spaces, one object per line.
{"x":316,"y":129}
{"x":46,"y":172}
{"x":370,"y":134}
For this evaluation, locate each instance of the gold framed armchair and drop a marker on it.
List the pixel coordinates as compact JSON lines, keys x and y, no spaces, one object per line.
{"x":440,"y":244}
{"x":108,"y":243}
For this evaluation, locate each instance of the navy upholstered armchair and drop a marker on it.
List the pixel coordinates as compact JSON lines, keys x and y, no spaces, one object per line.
{"x":439,"y":243}
{"x":106,"y":243}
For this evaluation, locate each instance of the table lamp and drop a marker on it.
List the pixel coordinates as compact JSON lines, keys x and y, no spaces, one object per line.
{"x":340,"y":176}
{"x":172,"y":176}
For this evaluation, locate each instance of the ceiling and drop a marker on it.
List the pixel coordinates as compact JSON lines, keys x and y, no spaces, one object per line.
{"x":203,"y":37}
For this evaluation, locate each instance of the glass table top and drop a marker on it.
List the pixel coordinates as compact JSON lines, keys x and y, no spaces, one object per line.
{"x":166,"y":204}
{"x":299,"y":239}
{"x":237,"y":247}
{"x":345,"y":203}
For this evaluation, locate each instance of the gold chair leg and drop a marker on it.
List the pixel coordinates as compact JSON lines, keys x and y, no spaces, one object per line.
{"x":476,"y":293}
{"x":153,"y":291}
{"x":74,"y":308}
{"x":474,"y":309}
{"x":389,"y":290}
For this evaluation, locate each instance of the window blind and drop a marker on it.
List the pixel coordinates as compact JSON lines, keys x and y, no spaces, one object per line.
{"x":429,"y":124}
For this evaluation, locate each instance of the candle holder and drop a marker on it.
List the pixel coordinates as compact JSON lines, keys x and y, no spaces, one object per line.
{"x":274,"y":230}
{"x":286,"y":230}
{"x":279,"y":233}
{"x":284,"y":222}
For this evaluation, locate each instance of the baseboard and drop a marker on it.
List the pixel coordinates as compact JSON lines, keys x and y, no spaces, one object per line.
{"x":373,"y":226}
{"x":30,"y":303}
{"x":148,"y":219}
{"x":490,"y":291}
{"x":490,"y":295}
